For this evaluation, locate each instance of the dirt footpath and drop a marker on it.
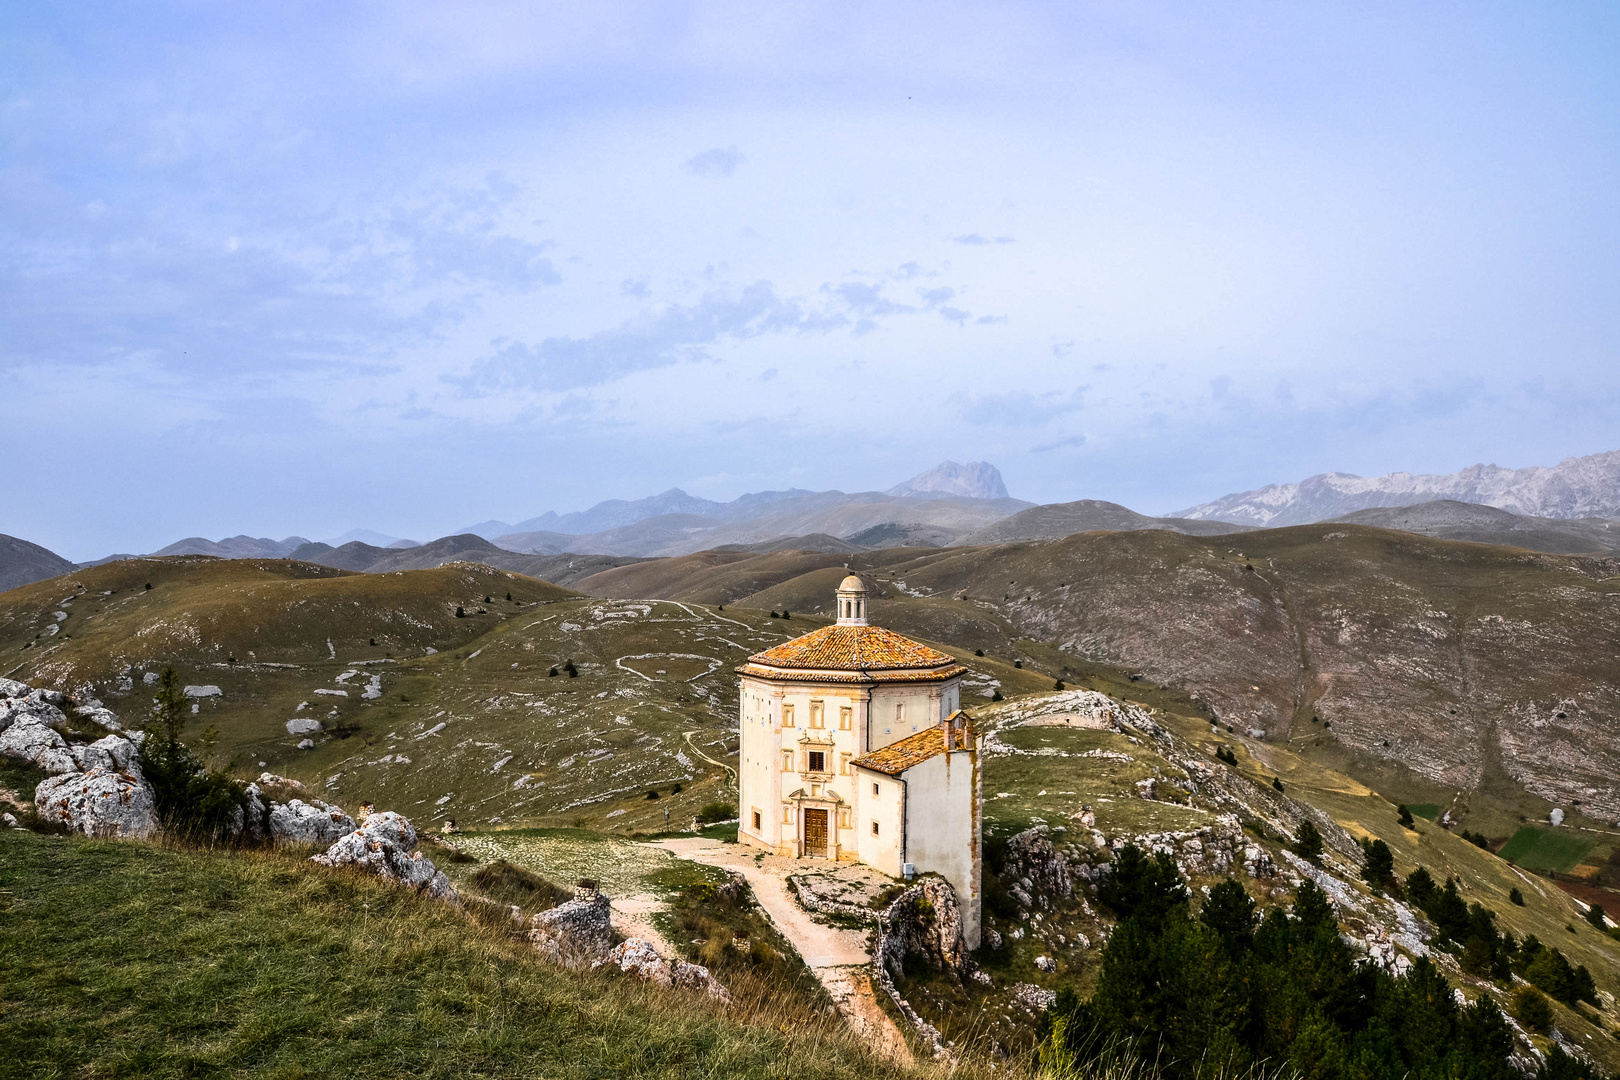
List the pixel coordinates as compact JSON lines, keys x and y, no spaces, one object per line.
{"x":836,"y":956}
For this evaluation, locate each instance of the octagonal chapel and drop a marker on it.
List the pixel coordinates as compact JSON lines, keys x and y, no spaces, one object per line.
{"x":853,"y":747}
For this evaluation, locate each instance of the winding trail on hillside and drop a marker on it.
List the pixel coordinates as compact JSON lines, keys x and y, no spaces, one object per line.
{"x":733,"y":772}
{"x":837,"y":957}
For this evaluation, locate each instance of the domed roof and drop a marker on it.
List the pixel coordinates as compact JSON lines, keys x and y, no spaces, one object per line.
{"x":851,"y":584}
{"x":853,"y":654}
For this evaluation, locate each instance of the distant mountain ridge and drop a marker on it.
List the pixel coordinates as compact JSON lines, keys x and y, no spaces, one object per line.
{"x":23,"y":563}
{"x":1578,"y":487}
{"x":975,"y":480}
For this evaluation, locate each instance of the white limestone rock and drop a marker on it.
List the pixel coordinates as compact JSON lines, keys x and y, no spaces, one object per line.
{"x":203,"y":691}
{"x":633,"y":956}
{"x":313,"y":822}
{"x":30,"y":740}
{"x":10,"y":822}
{"x":111,"y":754}
{"x":384,"y":845}
{"x":99,"y":803}
{"x":304,"y":725}
{"x":577,"y":934}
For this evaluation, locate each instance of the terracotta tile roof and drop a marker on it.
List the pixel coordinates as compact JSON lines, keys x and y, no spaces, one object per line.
{"x":897,"y":757}
{"x":851,"y":648}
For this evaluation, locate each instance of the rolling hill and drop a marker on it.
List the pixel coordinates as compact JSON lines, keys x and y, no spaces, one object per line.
{"x":1054,"y":520}
{"x":1451,"y":520}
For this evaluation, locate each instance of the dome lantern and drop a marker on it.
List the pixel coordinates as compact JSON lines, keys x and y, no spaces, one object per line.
{"x":852,"y":602}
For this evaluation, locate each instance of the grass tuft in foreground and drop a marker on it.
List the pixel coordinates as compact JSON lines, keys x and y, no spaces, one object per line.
{"x":125,"y":959}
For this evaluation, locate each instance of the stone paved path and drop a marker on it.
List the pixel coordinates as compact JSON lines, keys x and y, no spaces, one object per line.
{"x":837,"y":957}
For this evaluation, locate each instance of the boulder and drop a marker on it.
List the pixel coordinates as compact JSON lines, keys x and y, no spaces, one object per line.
{"x":99,"y":803}
{"x":203,"y":691}
{"x":313,"y":822}
{"x":11,"y":688}
{"x":383,"y":845}
{"x":10,"y":822}
{"x":576,"y":934}
{"x":304,"y":725}
{"x":27,"y":738}
{"x":634,"y":956}
{"x":1036,"y":864}
{"x":112,"y":754}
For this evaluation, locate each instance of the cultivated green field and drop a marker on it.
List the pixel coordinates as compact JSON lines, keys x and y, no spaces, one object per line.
{"x":1543,"y":849}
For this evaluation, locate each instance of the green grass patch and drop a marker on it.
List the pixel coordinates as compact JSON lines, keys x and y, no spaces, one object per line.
{"x":125,"y":959}
{"x":1543,"y":849}
{"x":1424,"y":810}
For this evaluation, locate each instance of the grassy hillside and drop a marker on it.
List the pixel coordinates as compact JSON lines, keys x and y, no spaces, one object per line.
{"x":228,"y":619}
{"x":123,"y":959}
{"x":1425,"y":667}
{"x":443,"y":717}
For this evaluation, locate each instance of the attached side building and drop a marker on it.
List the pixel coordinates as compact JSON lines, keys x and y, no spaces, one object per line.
{"x":853,"y":747}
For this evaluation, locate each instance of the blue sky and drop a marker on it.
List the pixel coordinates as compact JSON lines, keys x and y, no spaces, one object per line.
{"x":283,"y":268}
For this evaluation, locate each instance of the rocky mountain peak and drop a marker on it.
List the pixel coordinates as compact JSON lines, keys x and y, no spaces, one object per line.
{"x":975,"y":480}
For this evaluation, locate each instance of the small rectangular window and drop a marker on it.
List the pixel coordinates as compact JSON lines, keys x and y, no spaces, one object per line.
{"x":900,"y":713}
{"x":817,"y":711}
{"x":818,"y":761}
{"x":787,"y":716}
{"x":843,"y":764}
{"x":787,"y":761}
{"x":787,"y":815}
{"x":843,"y":819}
{"x":874,"y":828}
{"x":756,"y":821}
{"x":874,"y":789}
{"x":846,"y":718}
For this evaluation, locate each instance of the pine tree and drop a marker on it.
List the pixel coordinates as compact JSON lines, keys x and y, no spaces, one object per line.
{"x":1308,"y":842}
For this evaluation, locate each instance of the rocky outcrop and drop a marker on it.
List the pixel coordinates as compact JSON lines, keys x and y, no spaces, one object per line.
{"x":577,"y":934}
{"x":925,"y":920}
{"x":634,"y":956}
{"x":385,"y":845}
{"x":313,"y":822}
{"x":99,"y":802}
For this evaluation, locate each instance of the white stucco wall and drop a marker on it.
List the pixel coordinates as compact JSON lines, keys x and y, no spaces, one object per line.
{"x":942,"y":827}
{"x":882,"y":851}
{"x":925,"y":705}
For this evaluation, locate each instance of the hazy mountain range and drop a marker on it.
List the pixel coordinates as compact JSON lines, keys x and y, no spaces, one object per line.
{"x":1582,"y":487}
{"x":948,"y":505}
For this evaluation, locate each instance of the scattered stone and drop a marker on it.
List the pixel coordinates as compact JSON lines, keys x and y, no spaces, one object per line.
{"x":1045,"y":963}
{"x":1033,"y":997}
{"x":306,"y":744}
{"x":576,"y":934}
{"x":203,"y":691}
{"x":304,"y":725}
{"x":313,"y":822}
{"x":10,"y":822}
{"x":384,"y":845}
{"x":99,"y":803}
{"x":634,"y":956}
